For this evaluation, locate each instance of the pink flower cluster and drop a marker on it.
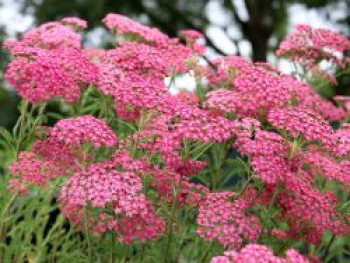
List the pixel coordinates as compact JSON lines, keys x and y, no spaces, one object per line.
{"x":342,"y":140}
{"x":60,"y":153}
{"x":254,"y":253}
{"x":83,"y":129}
{"x":31,"y":169}
{"x":302,"y":121}
{"x":138,"y":81}
{"x":269,"y":156}
{"x":253,"y":89}
{"x":101,"y":185}
{"x":327,"y":166}
{"x":307,"y":45}
{"x":51,"y":35}
{"x":47,"y":160}
{"x":227,"y":220}
{"x":49,"y":63}
{"x":49,"y":74}
{"x":197,"y":124}
{"x":310,"y":212}
{"x":126,"y":26}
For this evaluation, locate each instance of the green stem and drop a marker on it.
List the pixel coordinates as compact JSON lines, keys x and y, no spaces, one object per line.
{"x":112,"y":246}
{"x":13,"y":197}
{"x":328,"y":247}
{"x":206,"y":253}
{"x":88,"y":240}
{"x":172,"y":216}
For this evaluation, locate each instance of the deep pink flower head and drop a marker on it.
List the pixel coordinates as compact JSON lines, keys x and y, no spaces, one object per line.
{"x":188,"y":97}
{"x":104,"y":187}
{"x":83,"y":129}
{"x":269,"y":155}
{"x":48,"y":159}
{"x":75,"y":22}
{"x":325,"y":165}
{"x":101,"y":184}
{"x":307,"y":97}
{"x":192,"y":38}
{"x":226,"y":220}
{"x":29,"y":168}
{"x":138,"y":81}
{"x":126,"y":26}
{"x":300,"y":121}
{"x":342,"y":141}
{"x":309,"y":212}
{"x":196,"y":124}
{"x":41,"y":75}
{"x":255,"y":253}
{"x":250,"y":90}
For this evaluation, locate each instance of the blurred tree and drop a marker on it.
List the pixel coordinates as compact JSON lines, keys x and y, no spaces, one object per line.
{"x":8,"y":98}
{"x":264,"y":19}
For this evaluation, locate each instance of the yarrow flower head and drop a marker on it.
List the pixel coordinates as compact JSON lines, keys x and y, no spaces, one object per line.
{"x":250,"y":89}
{"x":102,"y":186}
{"x":342,"y":141}
{"x":302,"y":121}
{"x":307,"y":97}
{"x":48,"y":159}
{"x":269,"y":155}
{"x":325,"y":165}
{"x":41,"y":75}
{"x":227,"y":221}
{"x":196,"y":124}
{"x":307,"y":45}
{"x":255,"y":253}
{"x":83,"y":129}
{"x":125,"y":26}
{"x":310,"y":212}
{"x":48,"y":36}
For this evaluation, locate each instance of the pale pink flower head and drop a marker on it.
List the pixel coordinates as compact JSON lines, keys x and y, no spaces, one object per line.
{"x":126,"y":26}
{"x":52,"y":35}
